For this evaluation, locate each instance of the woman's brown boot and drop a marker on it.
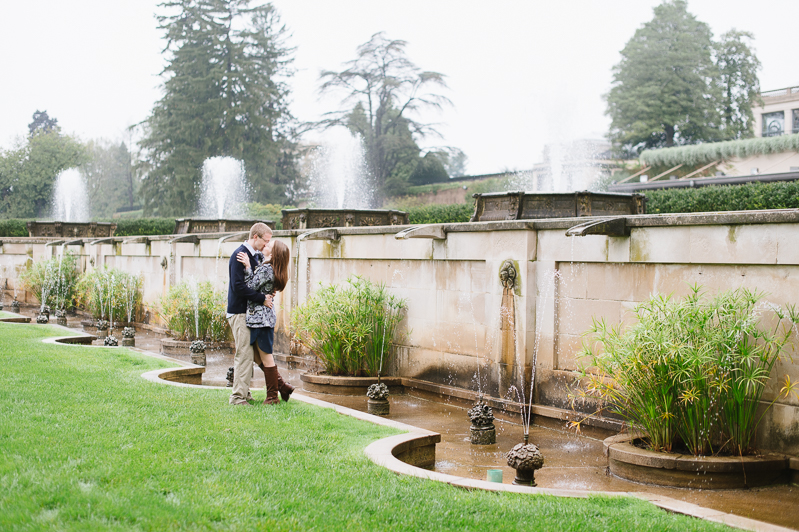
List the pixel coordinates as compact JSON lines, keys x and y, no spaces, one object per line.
{"x":284,"y":388}
{"x":270,"y":376}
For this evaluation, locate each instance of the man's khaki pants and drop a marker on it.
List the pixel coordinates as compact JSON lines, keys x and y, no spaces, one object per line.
{"x":242,"y":361}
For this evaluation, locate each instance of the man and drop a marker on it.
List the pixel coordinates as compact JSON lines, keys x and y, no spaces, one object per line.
{"x":237,"y":296}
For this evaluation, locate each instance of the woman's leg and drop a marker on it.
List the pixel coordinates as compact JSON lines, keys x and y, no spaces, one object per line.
{"x":270,"y":375}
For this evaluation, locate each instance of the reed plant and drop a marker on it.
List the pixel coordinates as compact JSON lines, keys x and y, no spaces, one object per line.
{"x":350,"y":327}
{"x":691,"y":371}
{"x":209,"y":323}
{"x":107,"y":293}
{"x":53,"y":281}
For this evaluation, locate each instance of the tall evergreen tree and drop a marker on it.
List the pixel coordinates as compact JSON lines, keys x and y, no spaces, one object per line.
{"x":382,"y":90}
{"x":224,"y":95}
{"x":737,"y":67}
{"x":110,"y":178}
{"x":663,"y":92}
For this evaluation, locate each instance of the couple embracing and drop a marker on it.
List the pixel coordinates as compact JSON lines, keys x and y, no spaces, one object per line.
{"x":258,"y":268}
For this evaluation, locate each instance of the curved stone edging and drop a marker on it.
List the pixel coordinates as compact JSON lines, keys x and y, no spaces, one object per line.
{"x":342,"y":385}
{"x":383,"y":453}
{"x":686,"y":471}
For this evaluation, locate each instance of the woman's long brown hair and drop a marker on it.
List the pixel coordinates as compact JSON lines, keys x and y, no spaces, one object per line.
{"x":280,"y":264}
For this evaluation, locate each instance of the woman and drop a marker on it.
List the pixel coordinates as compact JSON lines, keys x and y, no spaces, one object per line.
{"x":269,"y":277}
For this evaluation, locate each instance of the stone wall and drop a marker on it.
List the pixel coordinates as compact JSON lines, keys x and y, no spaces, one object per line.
{"x":454,"y":322}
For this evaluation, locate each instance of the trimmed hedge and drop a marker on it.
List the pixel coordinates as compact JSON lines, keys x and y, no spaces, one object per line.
{"x":712,"y":151}
{"x":438,"y":214}
{"x":751,"y":196}
{"x":13,"y":227}
{"x":144,"y":226}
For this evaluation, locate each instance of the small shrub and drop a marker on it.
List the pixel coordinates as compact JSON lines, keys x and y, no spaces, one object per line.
{"x":270,"y":211}
{"x":439,"y":214}
{"x":53,"y":281}
{"x":13,"y":227}
{"x":209,"y":323}
{"x":751,"y":196}
{"x":109,"y":293}
{"x":690,"y":371}
{"x":349,"y":327}
{"x":144,"y":226}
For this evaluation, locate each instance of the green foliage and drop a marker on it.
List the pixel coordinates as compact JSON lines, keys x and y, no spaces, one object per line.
{"x":269,"y":211}
{"x":53,"y":281}
{"x":738,"y":84}
{"x":441,"y":214}
{"x":674,"y":85}
{"x":13,"y":228}
{"x":195,"y":311}
{"x":110,"y":178}
{"x":349,"y":327}
{"x":144,"y":226}
{"x":166,"y":458}
{"x":690,"y":371}
{"x":662,"y":92}
{"x":225,"y":95}
{"x":28,"y":172}
{"x":751,"y":196}
{"x":110,"y":293}
{"x":706,"y":153}
{"x":429,"y":169}
{"x":387,"y":90}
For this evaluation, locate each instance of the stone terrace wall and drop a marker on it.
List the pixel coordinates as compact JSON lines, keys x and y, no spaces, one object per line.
{"x":454,"y":291}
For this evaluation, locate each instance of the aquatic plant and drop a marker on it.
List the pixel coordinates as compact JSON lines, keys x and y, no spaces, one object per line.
{"x":691,"y":371}
{"x":203,"y":319}
{"x":53,"y":281}
{"x":109,"y":293}
{"x":349,"y":327}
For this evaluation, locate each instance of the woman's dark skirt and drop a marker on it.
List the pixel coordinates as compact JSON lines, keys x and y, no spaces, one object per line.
{"x":263,"y":337}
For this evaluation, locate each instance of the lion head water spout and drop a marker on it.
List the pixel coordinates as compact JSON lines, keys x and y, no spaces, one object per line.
{"x":224,"y":188}
{"x":70,"y":197}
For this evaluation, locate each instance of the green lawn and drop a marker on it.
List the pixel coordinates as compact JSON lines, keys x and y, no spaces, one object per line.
{"x":87,"y":444}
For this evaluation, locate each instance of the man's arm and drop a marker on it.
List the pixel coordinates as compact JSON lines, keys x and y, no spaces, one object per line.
{"x":238,"y":284}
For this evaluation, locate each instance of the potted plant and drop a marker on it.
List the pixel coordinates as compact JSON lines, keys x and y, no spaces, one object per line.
{"x":377,"y":403}
{"x":689,"y":375}
{"x":349,"y":327}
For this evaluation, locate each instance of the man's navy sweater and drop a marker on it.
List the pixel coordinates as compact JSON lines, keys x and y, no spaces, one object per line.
{"x":238,"y":292}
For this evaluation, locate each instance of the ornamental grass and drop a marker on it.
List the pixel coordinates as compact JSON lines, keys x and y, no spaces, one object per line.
{"x":691,"y":372}
{"x":350,"y":327}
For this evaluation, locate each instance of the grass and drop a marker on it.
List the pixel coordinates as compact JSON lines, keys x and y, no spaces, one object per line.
{"x":87,"y":444}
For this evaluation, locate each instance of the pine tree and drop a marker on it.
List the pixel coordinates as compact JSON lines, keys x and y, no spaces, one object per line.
{"x":225,"y":94}
{"x":663,"y":92}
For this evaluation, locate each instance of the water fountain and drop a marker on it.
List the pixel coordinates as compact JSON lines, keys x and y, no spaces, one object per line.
{"x":70,"y":211}
{"x":342,"y":188}
{"x":130,"y":288}
{"x":197,"y":347}
{"x":223,"y":194}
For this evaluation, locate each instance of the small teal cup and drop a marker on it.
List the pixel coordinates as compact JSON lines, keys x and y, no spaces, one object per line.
{"x":494,"y":475}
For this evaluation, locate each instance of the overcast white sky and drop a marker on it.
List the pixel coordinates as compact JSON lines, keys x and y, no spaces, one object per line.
{"x":521,"y":73}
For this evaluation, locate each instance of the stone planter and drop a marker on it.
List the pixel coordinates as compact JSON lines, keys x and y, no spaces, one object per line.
{"x":128,"y":337}
{"x":170,"y":346}
{"x":15,"y":306}
{"x":483,"y":435}
{"x":335,"y":385}
{"x":629,"y":462}
{"x":102,"y":333}
{"x":378,"y":407}
{"x":198,"y":358}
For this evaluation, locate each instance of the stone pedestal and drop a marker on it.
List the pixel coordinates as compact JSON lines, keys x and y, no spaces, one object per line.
{"x":198,"y":358}
{"x":483,"y":435}
{"x":128,"y":342}
{"x":61,"y":320}
{"x":102,"y":333}
{"x":378,"y":407}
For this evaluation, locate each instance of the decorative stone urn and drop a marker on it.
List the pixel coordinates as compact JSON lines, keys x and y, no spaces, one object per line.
{"x":42,"y":318}
{"x":377,"y":403}
{"x":482,"y":431}
{"x":197,"y":349}
{"x":61,"y":316}
{"x":1,"y":304}
{"x":15,"y":305}
{"x":525,"y":458}
{"x":128,"y":337}
{"x":229,"y":377}
{"x":102,"y":328}
{"x":110,"y":341}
